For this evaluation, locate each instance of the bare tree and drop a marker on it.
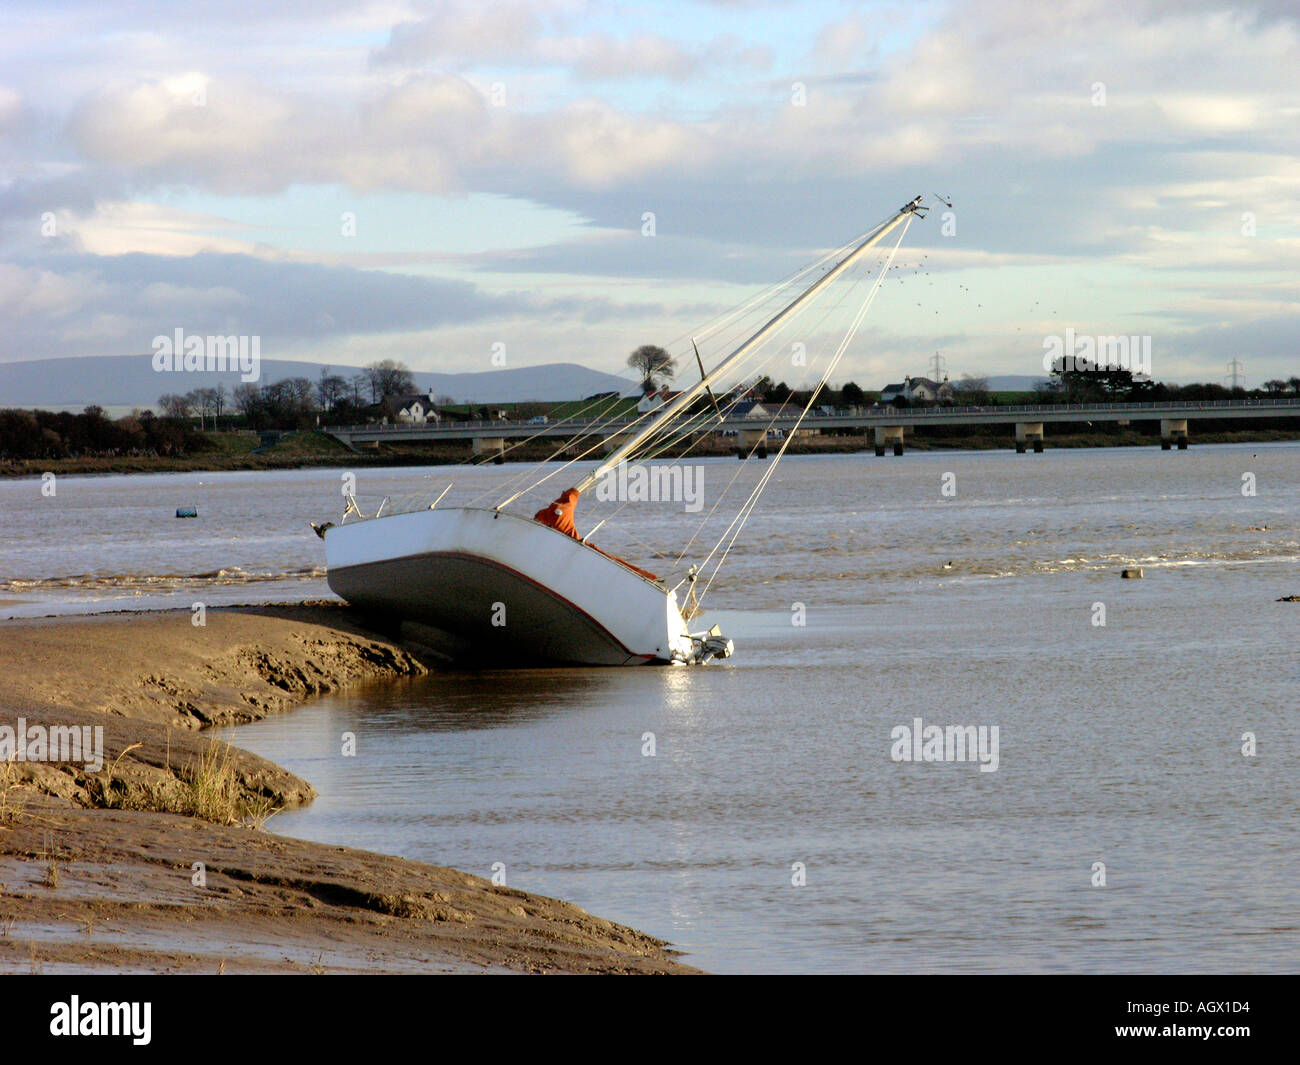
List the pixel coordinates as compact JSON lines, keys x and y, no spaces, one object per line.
{"x":247,"y":399}
{"x":358,"y":384}
{"x":279,"y":401}
{"x":973,"y":390}
{"x":301,"y":393}
{"x":174,"y":406}
{"x":197,"y":404}
{"x":207,"y":401}
{"x":330,"y":389}
{"x":388,"y":378}
{"x":654,"y":365}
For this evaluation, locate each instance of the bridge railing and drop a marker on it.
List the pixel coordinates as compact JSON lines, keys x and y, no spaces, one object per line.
{"x":1081,"y":408}
{"x":861,"y":412}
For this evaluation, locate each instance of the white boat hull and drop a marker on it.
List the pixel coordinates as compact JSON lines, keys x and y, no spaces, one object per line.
{"x":514,"y":589}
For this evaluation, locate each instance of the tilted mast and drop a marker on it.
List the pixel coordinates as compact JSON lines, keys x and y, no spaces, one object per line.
{"x":559,"y":514}
{"x":681,"y":401}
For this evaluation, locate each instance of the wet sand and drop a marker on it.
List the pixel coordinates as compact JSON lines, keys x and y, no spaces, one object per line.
{"x":96,"y":877}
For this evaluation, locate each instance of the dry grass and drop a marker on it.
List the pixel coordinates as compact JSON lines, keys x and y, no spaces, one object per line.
{"x":207,"y":788}
{"x":51,"y":878}
{"x":10,"y":807}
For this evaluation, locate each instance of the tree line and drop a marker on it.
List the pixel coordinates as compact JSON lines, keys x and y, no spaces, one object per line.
{"x":294,"y":402}
{"x":1101,"y":384}
{"x":44,"y":434}
{"x":333,"y":399}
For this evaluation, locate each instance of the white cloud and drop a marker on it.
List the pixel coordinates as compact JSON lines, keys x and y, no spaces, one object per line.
{"x":992,"y":103}
{"x":190,"y":127}
{"x":11,"y":107}
{"x":121,"y":228}
{"x":843,"y":41}
{"x":30,"y":291}
{"x":460,"y":32}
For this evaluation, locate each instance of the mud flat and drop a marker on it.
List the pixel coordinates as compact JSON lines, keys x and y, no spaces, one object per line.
{"x":155,"y":860}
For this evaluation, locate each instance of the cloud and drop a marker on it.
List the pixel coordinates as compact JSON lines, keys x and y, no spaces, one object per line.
{"x":35,"y":293}
{"x":844,"y":41}
{"x":995,"y":73}
{"x":129,"y":299}
{"x":609,"y":115}
{"x":192,"y":129}
{"x":460,"y":35}
{"x":431,"y":133}
{"x":463,"y":33}
{"x":1267,"y":345}
{"x":11,"y":110}
{"x":120,"y":303}
{"x":121,"y":227}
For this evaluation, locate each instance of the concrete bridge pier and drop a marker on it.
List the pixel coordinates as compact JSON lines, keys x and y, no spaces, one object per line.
{"x":1029,"y":433}
{"x":491,"y":445}
{"x":889,"y":434}
{"x":1173,"y":429}
{"x":746,"y":439}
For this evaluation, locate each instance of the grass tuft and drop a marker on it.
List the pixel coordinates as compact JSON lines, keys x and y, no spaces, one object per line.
{"x":207,"y":788}
{"x":10,"y":809}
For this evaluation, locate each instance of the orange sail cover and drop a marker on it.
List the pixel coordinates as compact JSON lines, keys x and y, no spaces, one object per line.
{"x":559,"y":516}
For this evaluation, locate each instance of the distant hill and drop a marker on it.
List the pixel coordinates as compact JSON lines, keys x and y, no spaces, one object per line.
{"x":120,"y":382}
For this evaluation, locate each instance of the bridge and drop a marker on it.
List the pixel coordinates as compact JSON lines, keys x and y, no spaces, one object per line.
{"x":888,"y":423}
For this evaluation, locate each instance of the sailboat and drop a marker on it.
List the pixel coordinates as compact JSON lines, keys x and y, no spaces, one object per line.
{"x":524,"y":588}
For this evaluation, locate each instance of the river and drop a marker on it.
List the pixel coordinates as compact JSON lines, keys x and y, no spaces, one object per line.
{"x":754,"y":812}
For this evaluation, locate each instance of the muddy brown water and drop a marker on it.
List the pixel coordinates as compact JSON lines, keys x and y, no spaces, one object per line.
{"x":1118,"y":743}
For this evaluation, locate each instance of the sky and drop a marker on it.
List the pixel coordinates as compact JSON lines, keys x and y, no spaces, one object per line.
{"x":449,"y":183}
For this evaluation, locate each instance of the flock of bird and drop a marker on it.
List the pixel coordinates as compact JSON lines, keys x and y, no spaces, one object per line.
{"x":920,"y":269}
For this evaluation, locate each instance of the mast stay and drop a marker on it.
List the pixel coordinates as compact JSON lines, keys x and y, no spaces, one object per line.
{"x":559,"y":514}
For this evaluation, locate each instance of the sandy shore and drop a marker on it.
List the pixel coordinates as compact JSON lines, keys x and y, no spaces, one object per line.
{"x":155,"y":862}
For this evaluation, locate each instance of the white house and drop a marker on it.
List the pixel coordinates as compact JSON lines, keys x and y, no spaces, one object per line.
{"x":416,"y":409}
{"x":654,"y":400}
{"x":917,"y":389}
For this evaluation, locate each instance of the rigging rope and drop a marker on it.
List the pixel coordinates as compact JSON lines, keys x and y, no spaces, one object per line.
{"x":745,"y":310}
{"x":747,"y":508}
